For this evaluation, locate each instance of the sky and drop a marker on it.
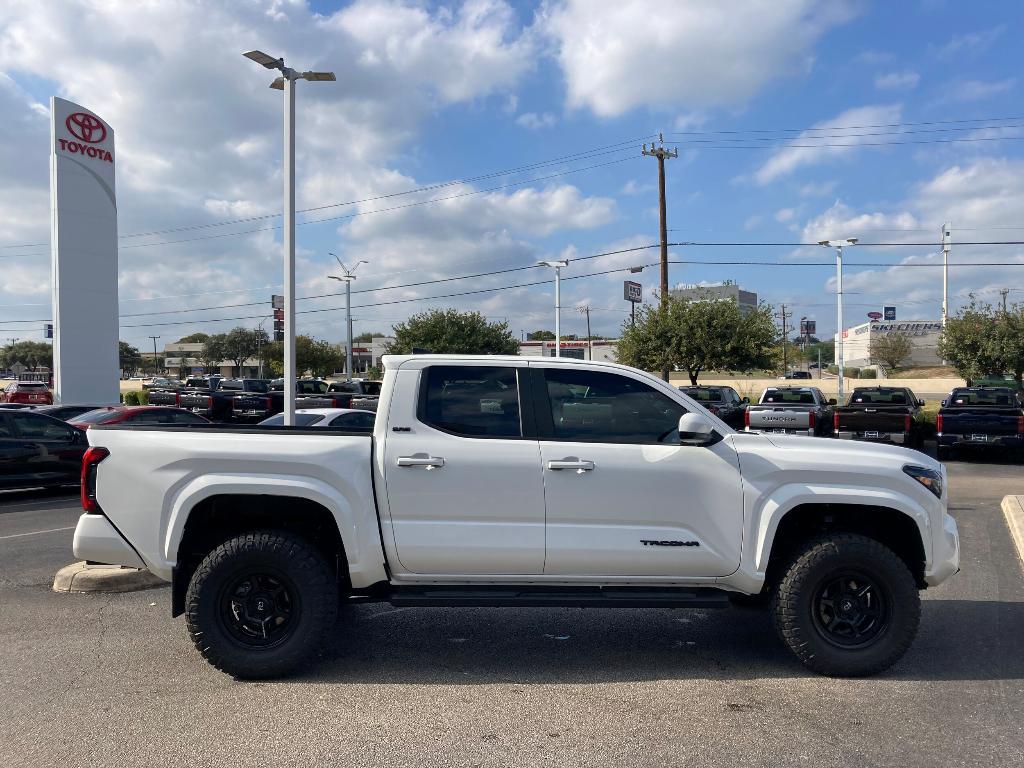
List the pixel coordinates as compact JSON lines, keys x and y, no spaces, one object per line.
{"x":464,"y":138}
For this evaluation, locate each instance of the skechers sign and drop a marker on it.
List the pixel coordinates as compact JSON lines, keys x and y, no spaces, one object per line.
{"x":88,"y":130}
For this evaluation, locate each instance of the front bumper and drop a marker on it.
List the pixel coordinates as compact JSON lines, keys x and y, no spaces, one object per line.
{"x":945,"y":553}
{"x":98,"y":541}
{"x":896,"y":438}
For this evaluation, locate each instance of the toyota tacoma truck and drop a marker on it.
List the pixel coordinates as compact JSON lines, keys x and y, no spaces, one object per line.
{"x":791,"y":411}
{"x":887,"y":414}
{"x":989,"y":417}
{"x":510,"y":481}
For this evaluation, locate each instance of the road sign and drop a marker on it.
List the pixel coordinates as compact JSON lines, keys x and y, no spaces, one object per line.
{"x":890,"y":313}
{"x":633,"y":292}
{"x":875,"y":316}
{"x":48,"y":331}
{"x":808,"y":327}
{"x":277,"y":301}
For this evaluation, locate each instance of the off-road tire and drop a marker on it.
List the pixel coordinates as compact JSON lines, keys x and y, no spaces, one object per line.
{"x":314,"y":603}
{"x":796,"y":600}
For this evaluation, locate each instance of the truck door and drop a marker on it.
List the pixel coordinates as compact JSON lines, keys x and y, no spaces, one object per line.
{"x":623,"y":497}
{"x":464,"y":486}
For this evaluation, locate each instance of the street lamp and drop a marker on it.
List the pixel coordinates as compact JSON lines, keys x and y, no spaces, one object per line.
{"x":557,"y":264}
{"x":348,"y":276}
{"x":838,"y":245}
{"x":286,"y":83}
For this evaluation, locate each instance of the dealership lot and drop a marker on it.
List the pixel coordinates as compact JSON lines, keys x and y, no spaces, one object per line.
{"x":112,"y":679}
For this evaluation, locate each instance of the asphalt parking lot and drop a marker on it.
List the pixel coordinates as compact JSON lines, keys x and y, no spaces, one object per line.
{"x":111,"y":680}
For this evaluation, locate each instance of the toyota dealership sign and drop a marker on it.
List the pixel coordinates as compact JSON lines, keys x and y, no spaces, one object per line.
{"x":83,"y":206}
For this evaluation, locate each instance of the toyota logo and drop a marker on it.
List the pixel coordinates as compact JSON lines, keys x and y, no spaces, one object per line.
{"x":86,"y":127}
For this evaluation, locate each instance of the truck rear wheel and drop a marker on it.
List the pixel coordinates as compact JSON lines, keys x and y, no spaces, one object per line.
{"x":847,"y":606}
{"x":260,"y":603}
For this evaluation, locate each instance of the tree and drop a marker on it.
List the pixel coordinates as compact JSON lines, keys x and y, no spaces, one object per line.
{"x":367,"y":337}
{"x":984,"y":340}
{"x":32,"y":354}
{"x":239,"y":344}
{"x":212,"y":353}
{"x":449,"y":331}
{"x":890,"y":349}
{"x":697,"y":336}
{"x":194,"y":338}
{"x":129,"y":358}
{"x":317,"y":356}
{"x":540,"y":336}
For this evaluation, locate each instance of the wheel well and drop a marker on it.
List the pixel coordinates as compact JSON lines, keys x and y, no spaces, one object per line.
{"x":888,"y":526}
{"x":219,"y":518}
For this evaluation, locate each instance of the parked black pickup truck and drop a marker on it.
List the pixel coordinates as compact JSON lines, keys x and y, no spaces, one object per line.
{"x":217,"y":403}
{"x":980,"y":416}
{"x":357,"y":393}
{"x":885,"y":414}
{"x":171,"y":395}
{"x":792,"y":410}
{"x":724,"y":402}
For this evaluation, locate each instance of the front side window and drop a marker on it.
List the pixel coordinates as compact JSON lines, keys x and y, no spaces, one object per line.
{"x":471,"y":401}
{"x":355,"y":420}
{"x":594,"y":406}
{"x":34,"y":427}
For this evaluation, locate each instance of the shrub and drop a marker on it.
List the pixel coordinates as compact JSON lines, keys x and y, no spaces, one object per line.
{"x":868,"y":373}
{"x":136,"y":397}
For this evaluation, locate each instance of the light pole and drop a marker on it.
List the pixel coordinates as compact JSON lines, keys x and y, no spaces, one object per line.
{"x":286,"y":83}
{"x":348,"y":276}
{"x":838,"y":245}
{"x":557,"y":264}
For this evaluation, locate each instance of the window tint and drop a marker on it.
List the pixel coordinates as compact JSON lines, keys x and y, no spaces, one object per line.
{"x":371,"y":387}
{"x":803,"y":396}
{"x":474,"y":401}
{"x":983,"y":397}
{"x":343,"y":386}
{"x":182,"y":417}
{"x":704,"y":394}
{"x":354,"y":421}
{"x":608,"y":408}
{"x":882,"y":396}
{"x":96,"y":417}
{"x":301,"y":420}
{"x":149,"y":417}
{"x":35,"y":427}
{"x":256,"y":385}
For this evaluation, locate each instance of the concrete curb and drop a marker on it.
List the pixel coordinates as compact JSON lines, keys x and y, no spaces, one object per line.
{"x":1013,"y":511}
{"x":81,"y":577}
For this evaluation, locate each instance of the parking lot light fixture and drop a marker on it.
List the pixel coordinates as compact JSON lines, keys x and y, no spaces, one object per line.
{"x":347,"y":276}
{"x":557,"y":264}
{"x":839,"y":245}
{"x":286,"y":83}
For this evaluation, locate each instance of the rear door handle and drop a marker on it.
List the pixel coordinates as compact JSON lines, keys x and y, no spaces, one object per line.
{"x":570,"y":462}
{"x":421,"y":460}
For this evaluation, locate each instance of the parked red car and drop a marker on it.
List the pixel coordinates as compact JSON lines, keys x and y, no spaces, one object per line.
{"x":136,"y":414}
{"x":27,"y":393}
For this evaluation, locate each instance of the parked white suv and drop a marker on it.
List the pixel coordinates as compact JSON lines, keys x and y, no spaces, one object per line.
{"x":509,"y":481}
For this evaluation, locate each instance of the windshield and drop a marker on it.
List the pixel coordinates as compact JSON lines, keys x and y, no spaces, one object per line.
{"x":800,"y":396}
{"x":879,"y":396}
{"x":371,"y":387}
{"x":301,"y":420}
{"x":94,"y":417}
{"x":704,"y":395}
{"x":256,"y":385}
{"x":999,"y":396}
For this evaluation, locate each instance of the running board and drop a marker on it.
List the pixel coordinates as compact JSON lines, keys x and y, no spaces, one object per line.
{"x":554,"y":597}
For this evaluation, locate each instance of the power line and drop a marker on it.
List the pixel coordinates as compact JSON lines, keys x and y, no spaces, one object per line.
{"x":837,"y":135}
{"x":711,"y":143}
{"x":860,"y":127}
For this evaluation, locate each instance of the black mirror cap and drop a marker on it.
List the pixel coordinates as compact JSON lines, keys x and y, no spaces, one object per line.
{"x":832,"y":401}
{"x":746,"y":400}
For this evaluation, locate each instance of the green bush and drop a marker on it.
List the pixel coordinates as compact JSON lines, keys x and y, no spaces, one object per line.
{"x":833,"y":369}
{"x":868,"y":373}
{"x":851,"y":372}
{"x":136,"y":397}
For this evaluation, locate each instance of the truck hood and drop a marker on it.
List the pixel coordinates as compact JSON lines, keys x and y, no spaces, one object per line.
{"x":818,"y":453}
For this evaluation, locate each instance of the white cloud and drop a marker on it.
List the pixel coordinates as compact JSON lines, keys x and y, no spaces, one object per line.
{"x":627,"y":54}
{"x":977,"y":90}
{"x":752,"y":222}
{"x":905,"y":80}
{"x":785,"y":214}
{"x":827,"y":141}
{"x":817,"y":189}
{"x":634,"y":187}
{"x":972,"y":42}
{"x":533,"y":121}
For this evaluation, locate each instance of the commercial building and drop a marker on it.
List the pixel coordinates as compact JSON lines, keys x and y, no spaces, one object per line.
{"x":923,"y":335}
{"x":603,"y":349}
{"x":727,"y":290}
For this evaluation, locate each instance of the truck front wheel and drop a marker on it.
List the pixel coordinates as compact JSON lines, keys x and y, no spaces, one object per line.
{"x":260,"y":603}
{"x":847,"y":606}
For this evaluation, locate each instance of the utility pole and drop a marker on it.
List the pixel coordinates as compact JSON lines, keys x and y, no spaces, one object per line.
{"x":347,"y":277}
{"x":947,"y":241}
{"x":1004,"y":292}
{"x":785,"y":342}
{"x":661,"y":154}
{"x":585,"y":310}
{"x":154,"y":338}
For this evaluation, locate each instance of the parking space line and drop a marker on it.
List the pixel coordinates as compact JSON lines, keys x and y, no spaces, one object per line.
{"x":36,"y":533}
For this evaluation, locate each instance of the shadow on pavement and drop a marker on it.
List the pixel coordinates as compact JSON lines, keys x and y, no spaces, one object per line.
{"x":959,"y":640}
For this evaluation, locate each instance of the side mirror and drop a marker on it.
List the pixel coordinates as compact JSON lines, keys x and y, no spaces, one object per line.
{"x":695,"y":430}
{"x":746,"y":400}
{"x":922,"y":403}
{"x":832,"y":401}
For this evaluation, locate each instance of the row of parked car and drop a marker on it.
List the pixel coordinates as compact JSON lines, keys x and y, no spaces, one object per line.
{"x":968,"y":416}
{"x":42,"y":445}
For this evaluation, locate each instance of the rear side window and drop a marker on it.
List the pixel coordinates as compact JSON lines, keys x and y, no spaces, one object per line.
{"x":801,"y":396}
{"x":33,"y":427}
{"x":471,"y":401}
{"x":594,"y":406}
{"x":356,"y":420}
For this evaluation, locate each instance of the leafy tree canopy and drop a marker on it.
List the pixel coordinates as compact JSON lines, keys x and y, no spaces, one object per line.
{"x":449,"y":331}
{"x":982,"y":340}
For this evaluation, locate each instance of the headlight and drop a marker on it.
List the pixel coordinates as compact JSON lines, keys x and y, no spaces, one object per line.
{"x":929,"y":478}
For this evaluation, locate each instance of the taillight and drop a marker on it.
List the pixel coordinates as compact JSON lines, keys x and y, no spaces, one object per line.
{"x":90,"y":460}
{"x":811,"y":420}
{"x":906,"y":423}
{"x":177,"y":398}
{"x":746,"y":417}
{"x":270,"y":403}
{"x":938,"y":423}
{"x":835,"y":421}
{"x":1020,"y":424}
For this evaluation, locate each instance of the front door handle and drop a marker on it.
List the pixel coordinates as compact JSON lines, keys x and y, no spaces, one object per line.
{"x":421,"y":460}
{"x":571,"y":462}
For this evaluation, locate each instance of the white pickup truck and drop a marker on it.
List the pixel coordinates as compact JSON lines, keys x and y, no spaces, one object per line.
{"x":509,"y":481}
